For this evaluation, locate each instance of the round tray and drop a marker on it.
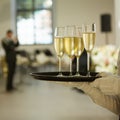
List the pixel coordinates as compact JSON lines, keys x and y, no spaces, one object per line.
{"x":53,"y":76}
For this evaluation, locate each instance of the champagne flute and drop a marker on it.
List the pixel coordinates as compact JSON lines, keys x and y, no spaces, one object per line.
{"x":89,"y":36}
{"x":79,"y":46}
{"x":69,"y":43}
{"x":59,"y":46}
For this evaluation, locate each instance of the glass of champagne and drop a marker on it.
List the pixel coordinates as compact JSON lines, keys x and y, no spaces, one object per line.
{"x":89,"y":36}
{"x":69,"y":43}
{"x":59,"y":45}
{"x":79,"y":47}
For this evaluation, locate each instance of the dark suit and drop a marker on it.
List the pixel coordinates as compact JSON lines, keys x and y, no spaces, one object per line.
{"x":83,"y":63}
{"x":9,"y":47}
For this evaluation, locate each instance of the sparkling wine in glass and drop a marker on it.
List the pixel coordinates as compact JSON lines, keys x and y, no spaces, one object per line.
{"x":59,"y":45}
{"x":89,"y":36}
{"x":69,"y":43}
{"x":79,"y":47}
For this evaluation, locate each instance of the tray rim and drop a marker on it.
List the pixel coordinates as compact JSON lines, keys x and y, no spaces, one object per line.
{"x":65,"y":78}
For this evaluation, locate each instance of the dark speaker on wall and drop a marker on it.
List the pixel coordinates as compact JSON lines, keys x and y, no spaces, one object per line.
{"x":106,"y":23}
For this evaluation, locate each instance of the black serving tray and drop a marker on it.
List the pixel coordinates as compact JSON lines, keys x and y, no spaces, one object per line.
{"x":53,"y":76}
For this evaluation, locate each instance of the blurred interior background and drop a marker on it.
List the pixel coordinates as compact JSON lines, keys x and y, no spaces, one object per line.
{"x":33,"y":22}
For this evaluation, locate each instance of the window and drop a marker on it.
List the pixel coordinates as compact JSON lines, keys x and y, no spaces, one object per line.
{"x":34,"y":21}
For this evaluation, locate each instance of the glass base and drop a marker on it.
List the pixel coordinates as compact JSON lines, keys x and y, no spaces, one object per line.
{"x":88,"y":74}
{"x":78,"y":75}
{"x":60,"y":74}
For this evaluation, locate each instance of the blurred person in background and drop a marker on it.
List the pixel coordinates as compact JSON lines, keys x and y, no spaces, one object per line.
{"x":9,"y":44}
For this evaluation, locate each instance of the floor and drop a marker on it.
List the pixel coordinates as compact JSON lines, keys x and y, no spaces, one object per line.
{"x":37,"y":100}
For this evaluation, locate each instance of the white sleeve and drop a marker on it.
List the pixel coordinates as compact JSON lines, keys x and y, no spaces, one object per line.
{"x":109,"y":102}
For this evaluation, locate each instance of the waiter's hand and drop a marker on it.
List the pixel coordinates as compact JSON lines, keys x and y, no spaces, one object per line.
{"x":108,"y":83}
{"x":15,"y":39}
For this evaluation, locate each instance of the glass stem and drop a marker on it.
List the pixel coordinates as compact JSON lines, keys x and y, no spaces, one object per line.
{"x":70,"y":66}
{"x":88,"y":64}
{"x":60,"y":65}
{"x":77,"y":65}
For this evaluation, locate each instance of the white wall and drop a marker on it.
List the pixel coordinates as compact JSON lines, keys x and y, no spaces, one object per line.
{"x":5,"y":17}
{"x":117,"y":20}
{"x":66,"y":12}
{"x":85,"y":11}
